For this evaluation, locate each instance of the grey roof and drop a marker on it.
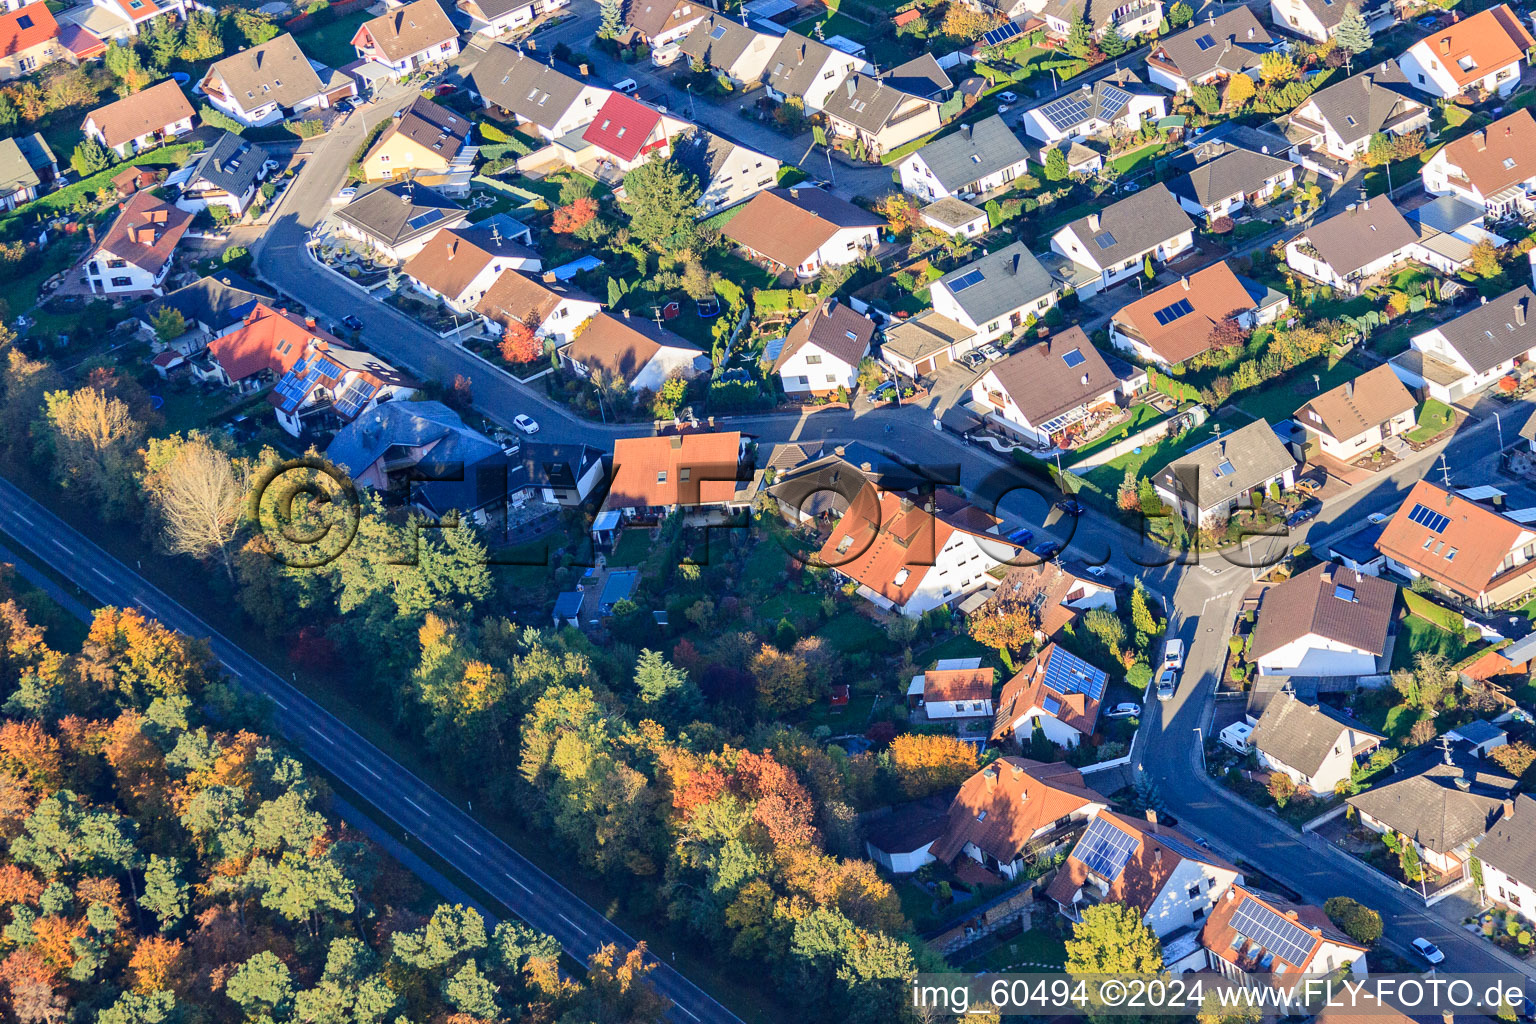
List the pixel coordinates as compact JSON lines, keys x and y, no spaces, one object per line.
{"x":231,"y":164}
{"x":718,"y":40}
{"x":1362,"y":105}
{"x":1358,"y":547}
{"x":1225,"y":174}
{"x":1228,"y":467}
{"x":1301,"y":735}
{"x":795,"y":65}
{"x":1242,"y":136}
{"x":1098,"y":13}
{"x":1132,"y":226}
{"x":1233,"y":42}
{"x":1477,"y":731}
{"x":1328,"y":12}
{"x":923,"y":335}
{"x":401,"y":211}
{"x":973,"y":152}
{"x":20,"y":160}
{"x":276,"y":71}
{"x":951,"y":212}
{"x":1355,"y":238}
{"x":828,"y":483}
{"x":532,"y":90}
{"x":458,"y":468}
{"x":866,"y":102}
{"x":1433,"y":808}
{"x":998,"y":283}
{"x":1510,"y":844}
{"x":921,"y":76}
{"x":541,"y":464}
{"x":1502,"y":329}
{"x":217,"y":302}
{"x":1445,"y":213}
{"x":703,"y":152}
{"x":1105,"y":100}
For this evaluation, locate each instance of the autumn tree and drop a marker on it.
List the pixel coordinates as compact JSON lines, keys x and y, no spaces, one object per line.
{"x":1007,"y":624}
{"x":519,"y":343}
{"x":924,"y":764}
{"x":199,"y":494}
{"x":781,"y":681}
{"x":1240,"y":89}
{"x":91,"y":439}
{"x":123,"y":61}
{"x":1110,"y":938}
{"x":571,"y":219}
{"x":1276,"y":68}
{"x":1281,"y":787}
{"x":1515,"y":758}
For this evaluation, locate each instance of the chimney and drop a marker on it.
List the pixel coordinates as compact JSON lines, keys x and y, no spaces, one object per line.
{"x":1509,"y":808}
{"x":677,"y":442}
{"x":309,"y":321}
{"x":1480,"y":140}
{"x":549,"y":277}
{"x":840,"y":450}
{"x":626,"y":314}
{"x":990,"y":775}
{"x":1445,"y":44}
{"x":1093,"y":222}
{"x":1349,"y":389}
{"x":582,"y":68}
{"x":1291,"y":915}
{"x":1520,"y":312}
{"x":1152,"y":815}
{"x":1185,"y":282}
{"x":90,"y":232}
{"x":1157,"y":855}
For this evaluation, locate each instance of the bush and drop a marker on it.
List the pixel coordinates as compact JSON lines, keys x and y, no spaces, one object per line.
{"x":1358,"y":921}
{"x":306,"y":129}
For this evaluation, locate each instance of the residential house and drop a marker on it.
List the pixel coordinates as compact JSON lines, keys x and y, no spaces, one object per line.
{"x":1335,"y":124}
{"x":1112,"y":244}
{"x":27,"y":166}
{"x":80,"y":44}
{"x":1210,"y":51}
{"x":808,"y":70}
{"x":1118,"y":105}
{"x":1013,"y":812}
{"x":1130,"y":18}
{"x":635,"y":350}
{"x":909,"y":557}
{"x":803,"y":229}
{"x":953,"y":216}
{"x":1223,"y":475}
{"x":1002,"y":292}
{"x":1508,"y":856}
{"x":955,"y":688}
{"x":1479,"y":55}
{"x":877,"y":116}
{"x":1221,"y":179}
{"x":1154,"y":869}
{"x":972,"y":161}
{"x":656,"y":476}
{"x":552,"y":100}
{"x":225,"y":174}
{"x":1318,"y":20}
{"x":267,"y":83}
{"x":1315,"y":746}
{"x":728,"y":172}
{"x":1493,"y":168}
{"x":1443,"y":807}
{"x":136,"y":14}
{"x":553,"y":310}
{"x":921,"y":76}
{"x":29,"y":39}
{"x":135,"y":253}
{"x":1250,"y":932}
{"x":737,"y":51}
{"x":1180,"y":321}
{"x":1458,"y":358}
{"x":408,"y":37}
{"x":1327,"y":621}
{"x":1055,"y":692}
{"x":625,"y":134}
{"x":1467,"y":551}
{"x":813,"y":483}
{"x":1054,"y":596}
{"x":1480,"y":737}
{"x":461,"y":265}
{"x":320,"y":382}
{"x":210,"y":306}
{"x":900,"y":839}
{"x":1043,"y":393}
{"x":398,"y":220}
{"x":428,"y":144}
{"x":823,"y":350}
{"x":495,"y":17}
{"x":142,"y":120}
{"x":1367,"y":239}
{"x":659,"y":22}
{"x":1360,"y":414}
{"x":919,"y":347}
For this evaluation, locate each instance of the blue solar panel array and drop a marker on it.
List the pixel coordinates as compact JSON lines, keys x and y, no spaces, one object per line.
{"x":1104,"y":849}
{"x":1074,"y":358}
{"x":1182,"y":848}
{"x":1067,"y":673}
{"x":1000,"y":35}
{"x":1435,"y":522}
{"x":965,"y":280}
{"x":1168,"y":314}
{"x":1287,"y":940}
{"x":357,"y":395}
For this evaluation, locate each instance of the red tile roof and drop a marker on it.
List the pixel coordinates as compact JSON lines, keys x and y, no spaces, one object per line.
{"x":622,"y":126}
{"x":23,"y":29}
{"x":944,"y":684}
{"x":1215,"y":295}
{"x":1028,"y":689}
{"x":1001,"y":807}
{"x":272,"y":339}
{"x":1490,"y":40}
{"x":146,"y":231}
{"x":680,"y":469}
{"x":1466,"y":555}
{"x":1146,"y":871}
{"x":1220,"y":934}
{"x":80,"y":42}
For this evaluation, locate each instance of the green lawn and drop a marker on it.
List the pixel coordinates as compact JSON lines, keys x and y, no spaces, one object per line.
{"x":832,"y":25}
{"x":332,"y":44}
{"x":1417,"y":634}
{"x":1142,"y":416}
{"x":1277,"y":400}
{"x":1434,"y":416}
{"x":852,"y":717}
{"x":849,"y":632}
{"x":1025,"y":950}
{"x":957,"y":646}
{"x":1129,"y":163}
{"x":632,"y":548}
{"x":1106,"y":478}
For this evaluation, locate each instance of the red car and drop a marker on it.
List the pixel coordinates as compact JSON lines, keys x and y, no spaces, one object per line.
{"x":445,"y":89}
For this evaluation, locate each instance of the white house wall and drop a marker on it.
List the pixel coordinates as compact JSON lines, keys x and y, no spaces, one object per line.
{"x":1314,"y":655}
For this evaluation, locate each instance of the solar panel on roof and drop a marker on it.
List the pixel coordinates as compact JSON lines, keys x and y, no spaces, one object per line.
{"x":1104,"y":240}
{"x":1181,"y":848}
{"x":1428,"y":518}
{"x":1074,"y":358}
{"x":1205,"y":42}
{"x":965,"y":280}
{"x":1286,"y":939}
{"x":1168,"y":314}
{"x":1067,"y":673}
{"x":326,"y":368}
{"x":1000,"y":35}
{"x":1104,"y":849}
{"x":421,"y":220}
{"x":1112,"y":101}
{"x":357,"y":395}
{"x":1052,"y":706}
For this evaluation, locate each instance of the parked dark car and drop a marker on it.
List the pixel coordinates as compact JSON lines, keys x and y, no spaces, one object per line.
{"x":1071,"y":506}
{"x":884,"y":392}
{"x":352,"y":321}
{"x":1049,"y":550}
{"x":1022,"y":536}
{"x":1308,"y":509}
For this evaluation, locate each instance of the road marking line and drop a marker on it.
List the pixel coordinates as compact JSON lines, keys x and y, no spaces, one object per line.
{"x":416,"y":805}
{"x":59,"y":544}
{"x":370,"y":771}
{"x":23,"y":518}
{"x":685,"y":1009}
{"x":322,"y":735}
{"x":515,"y":882}
{"x":467,"y":844}
{"x":279,"y":703}
{"x":103,"y":575}
{"x":573,"y":924}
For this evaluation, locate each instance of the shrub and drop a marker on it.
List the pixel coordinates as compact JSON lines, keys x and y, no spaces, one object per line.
{"x":1358,"y":921}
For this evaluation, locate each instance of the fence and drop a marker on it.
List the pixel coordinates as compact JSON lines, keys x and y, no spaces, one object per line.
{"x":1142,"y":438}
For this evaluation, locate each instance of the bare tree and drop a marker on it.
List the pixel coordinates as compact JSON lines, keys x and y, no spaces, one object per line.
{"x":200,"y":493}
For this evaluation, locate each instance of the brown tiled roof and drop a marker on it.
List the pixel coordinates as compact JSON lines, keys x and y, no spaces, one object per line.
{"x":271,"y":339}
{"x":1045,"y":587}
{"x":788,"y":224}
{"x":620,"y":345}
{"x":452,"y":259}
{"x":958,"y":684}
{"x":145,"y":233}
{"x":1355,"y":238}
{"x":274,"y":72}
{"x":649,"y":472}
{"x":1219,"y":932}
{"x":1002,"y":806}
{"x":1215,"y":294}
{"x":148,"y":110}
{"x":1465,"y":555}
{"x":400,"y":32}
{"x":1042,"y":383}
{"x":1146,"y":871}
{"x":1341,"y":604}
{"x":1498,"y":156}
{"x":834,"y":328}
{"x":1357,"y":405}
{"x":653,"y":17}
{"x":1491,"y":39}
{"x":524,"y":298}
{"x":431,"y":127}
{"x":1029,"y":689}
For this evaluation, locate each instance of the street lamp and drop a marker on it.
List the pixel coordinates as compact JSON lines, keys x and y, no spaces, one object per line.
{"x":1200,"y":745}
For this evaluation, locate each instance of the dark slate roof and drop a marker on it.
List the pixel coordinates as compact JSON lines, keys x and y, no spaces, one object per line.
{"x":532,"y":90}
{"x":865,"y":102}
{"x":401,"y":211}
{"x":217,"y":302}
{"x":1489,"y":334}
{"x":1097,"y":13}
{"x":973,"y":152}
{"x":539,"y":464}
{"x":1225,"y":173}
{"x":1431,"y":808}
{"x":703,"y":153}
{"x":921,"y":76}
{"x":1355,"y":238}
{"x":828,"y":484}
{"x":1233,"y":42}
{"x":1133,"y":226}
{"x":231,"y":164}
{"x":794,"y":66}
{"x":461,"y":467}
{"x":1104,"y":100}
{"x":1330,"y":601}
{"x":1300,"y":735}
{"x":1371,"y":99}
{"x":1010,"y":278}
{"x":1254,"y":453}
{"x":1510,"y":845}
{"x":1445,"y":214}
{"x":1261,"y":140}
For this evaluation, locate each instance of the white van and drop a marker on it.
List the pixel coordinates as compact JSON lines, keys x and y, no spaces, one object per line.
{"x":1173,"y":654}
{"x":627,"y":86}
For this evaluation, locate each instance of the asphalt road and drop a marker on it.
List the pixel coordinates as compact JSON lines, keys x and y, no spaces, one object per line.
{"x":389,"y":788}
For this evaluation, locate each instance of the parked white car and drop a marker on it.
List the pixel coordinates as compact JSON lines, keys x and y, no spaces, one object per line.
{"x":1173,"y":654}
{"x":527,"y":424}
{"x":1428,"y":950}
{"x":1126,"y":710}
{"x":627,"y":86}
